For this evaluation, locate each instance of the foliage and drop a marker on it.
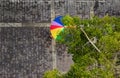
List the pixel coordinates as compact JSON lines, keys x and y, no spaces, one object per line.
{"x":88,"y":62}
{"x":52,"y":74}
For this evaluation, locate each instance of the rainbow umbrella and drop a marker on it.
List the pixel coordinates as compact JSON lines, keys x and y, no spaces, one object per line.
{"x":57,"y":27}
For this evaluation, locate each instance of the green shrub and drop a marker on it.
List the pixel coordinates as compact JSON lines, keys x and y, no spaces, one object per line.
{"x":90,"y":60}
{"x":52,"y":74}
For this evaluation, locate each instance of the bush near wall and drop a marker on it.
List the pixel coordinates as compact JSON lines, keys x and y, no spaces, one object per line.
{"x":89,"y":62}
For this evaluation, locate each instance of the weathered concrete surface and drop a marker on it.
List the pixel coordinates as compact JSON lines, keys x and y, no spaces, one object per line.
{"x":40,"y":10}
{"x":25,"y":24}
{"x":25,"y":52}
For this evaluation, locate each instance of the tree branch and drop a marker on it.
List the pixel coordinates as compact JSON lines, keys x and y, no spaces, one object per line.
{"x":90,"y":40}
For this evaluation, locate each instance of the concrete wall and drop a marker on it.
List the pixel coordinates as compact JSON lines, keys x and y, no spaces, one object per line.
{"x":25,"y":52}
{"x":40,"y":10}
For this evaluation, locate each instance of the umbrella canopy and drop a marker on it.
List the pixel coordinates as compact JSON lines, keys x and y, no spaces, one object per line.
{"x":57,"y":27}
